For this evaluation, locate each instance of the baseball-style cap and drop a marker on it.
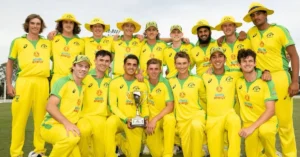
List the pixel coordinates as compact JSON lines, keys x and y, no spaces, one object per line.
{"x":176,"y":27}
{"x":216,"y":49}
{"x":82,"y":58}
{"x":68,"y":16}
{"x":151,"y":24}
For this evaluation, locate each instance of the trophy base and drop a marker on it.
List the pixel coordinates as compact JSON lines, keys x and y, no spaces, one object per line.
{"x":138,"y":122}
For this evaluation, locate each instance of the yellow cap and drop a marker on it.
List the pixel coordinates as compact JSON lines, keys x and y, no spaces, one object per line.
{"x":68,"y":16}
{"x":216,"y":49}
{"x":129,"y":20}
{"x":94,"y":21}
{"x":151,"y":24}
{"x":226,"y":19}
{"x":176,"y":27}
{"x":254,"y":7}
{"x":201,"y":23}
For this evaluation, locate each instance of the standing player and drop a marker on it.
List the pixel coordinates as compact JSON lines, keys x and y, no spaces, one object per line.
{"x":271,"y":42}
{"x":123,"y":107}
{"x":153,"y":48}
{"x":32,"y":53}
{"x":65,"y":46}
{"x":200,"y":54}
{"x":221,"y":116}
{"x":63,"y":110}
{"x":176,"y":46}
{"x":95,"y":108}
{"x":161,"y":127}
{"x":125,"y":45}
{"x":257,"y":99}
{"x":190,"y":116}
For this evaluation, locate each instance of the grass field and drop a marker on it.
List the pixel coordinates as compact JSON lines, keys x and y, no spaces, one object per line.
{"x":5,"y":130}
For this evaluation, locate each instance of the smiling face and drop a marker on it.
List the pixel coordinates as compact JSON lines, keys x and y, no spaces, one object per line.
{"x":130,"y":67}
{"x":204,"y":35}
{"x":153,"y":71}
{"x":247,"y":64}
{"x":259,"y":18}
{"x":102,"y":63}
{"x":128,"y":29}
{"x":228,"y":28}
{"x":182,"y":65}
{"x":176,"y":35}
{"x":97,"y":30}
{"x":68,"y":26}
{"x":217,"y":60}
{"x":34,"y":26}
{"x":81,"y":69}
{"x":151,"y":33}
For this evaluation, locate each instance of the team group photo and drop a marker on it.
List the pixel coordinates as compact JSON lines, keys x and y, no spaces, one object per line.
{"x":129,"y":89}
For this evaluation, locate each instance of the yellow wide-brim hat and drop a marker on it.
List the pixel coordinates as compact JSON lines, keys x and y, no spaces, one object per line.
{"x":129,"y":20}
{"x":94,"y":21}
{"x":68,"y":16}
{"x":227,"y":19}
{"x":201,"y":23}
{"x":254,"y":7}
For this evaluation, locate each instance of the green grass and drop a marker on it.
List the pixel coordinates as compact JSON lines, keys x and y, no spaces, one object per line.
{"x":5,"y":130}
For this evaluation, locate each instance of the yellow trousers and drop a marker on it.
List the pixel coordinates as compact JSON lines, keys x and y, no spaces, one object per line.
{"x":130,"y":144}
{"x":284,"y":113}
{"x":92,"y":134}
{"x":263,"y":137}
{"x":31,"y":94}
{"x":215,"y":128}
{"x":191,"y":133}
{"x":63,"y":145}
{"x":161,"y":143}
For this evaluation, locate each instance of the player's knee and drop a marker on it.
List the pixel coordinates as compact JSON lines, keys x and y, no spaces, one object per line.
{"x":84,"y":127}
{"x":111,"y":122}
{"x":72,"y":140}
{"x":266,"y":133}
{"x":197,"y":125}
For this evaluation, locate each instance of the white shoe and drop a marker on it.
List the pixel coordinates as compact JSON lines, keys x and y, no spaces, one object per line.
{"x":146,"y":150}
{"x":119,"y":152}
{"x":176,"y":150}
{"x":34,"y":154}
{"x":278,"y":153}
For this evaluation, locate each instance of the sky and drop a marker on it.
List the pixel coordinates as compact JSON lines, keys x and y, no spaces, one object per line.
{"x":165,"y":12}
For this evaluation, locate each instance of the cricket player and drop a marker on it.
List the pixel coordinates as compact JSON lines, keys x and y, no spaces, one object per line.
{"x":161,"y":126}
{"x":98,"y":41}
{"x":200,"y":54}
{"x":257,"y":98}
{"x":271,"y":42}
{"x":153,"y":48}
{"x":177,"y":45}
{"x":32,"y":54}
{"x":65,"y":45}
{"x":189,"y":114}
{"x":63,"y":110}
{"x":95,"y":109}
{"x":125,"y":45}
{"x":123,"y":108}
{"x":221,"y":116}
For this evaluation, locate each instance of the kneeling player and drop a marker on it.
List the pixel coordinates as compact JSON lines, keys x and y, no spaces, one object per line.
{"x":257,"y":99}
{"x":64,"y":106}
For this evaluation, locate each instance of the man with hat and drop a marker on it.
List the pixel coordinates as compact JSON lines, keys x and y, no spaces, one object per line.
{"x":32,"y":54}
{"x":271,"y":42}
{"x":63,"y":110}
{"x":200,"y":54}
{"x":125,"y":44}
{"x":177,"y":45}
{"x":65,"y":45}
{"x":219,"y":89}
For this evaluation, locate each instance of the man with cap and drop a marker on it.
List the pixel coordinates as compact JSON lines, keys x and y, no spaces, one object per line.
{"x":257,"y":98}
{"x":32,"y":54}
{"x":200,"y":54}
{"x":65,"y":45}
{"x":63,"y":110}
{"x":171,"y":50}
{"x":125,"y":45}
{"x":271,"y":42}
{"x":95,"y":107}
{"x":220,"y":99}
{"x":153,"y":48}
{"x":190,"y":115}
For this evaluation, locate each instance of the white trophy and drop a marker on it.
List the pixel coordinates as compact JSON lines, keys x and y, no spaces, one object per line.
{"x":138,"y":121}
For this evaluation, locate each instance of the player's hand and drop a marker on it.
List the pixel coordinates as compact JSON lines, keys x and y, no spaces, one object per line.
{"x":139,"y":76}
{"x":116,"y":37}
{"x":245,"y":132}
{"x":140,"y":37}
{"x":186,"y":40}
{"x":220,"y":40}
{"x":151,"y":127}
{"x":266,"y":76}
{"x":129,"y":124}
{"x":242,"y":36}
{"x":51,"y":35}
{"x":70,"y":127}
{"x":11,"y":90}
{"x":209,"y":71}
{"x":293,"y":89}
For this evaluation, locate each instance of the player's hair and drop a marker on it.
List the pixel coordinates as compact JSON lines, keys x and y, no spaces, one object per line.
{"x":29,"y":18}
{"x":103,"y":53}
{"x":181,"y":54}
{"x":154,"y":61}
{"x":103,"y":26}
{"x":59,"y":28}
{"x":131,"y":56}
{"x":157,"y":36}
{"x":244,"y":53}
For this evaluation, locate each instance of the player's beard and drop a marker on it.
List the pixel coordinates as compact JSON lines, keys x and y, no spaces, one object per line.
{"x":205,"y":41}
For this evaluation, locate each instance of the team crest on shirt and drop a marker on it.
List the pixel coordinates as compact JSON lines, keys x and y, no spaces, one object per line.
{"x":25,"y":46}
{"x":219,"y":89}
{"x":184,"y":50}
{"x":233,"y":56}
{"x":99,"y":92}
{"x":191,"y":85}
{"x":105,"y":41}
{"x":219,"y":95}
{"x":247,"y":97}
{"x":36,"y":54}
{"x":158,"y":49}
{"x":105,"y":84}
{"x":44,"y":46}
{"x":66,"y":48}
{"x":182,"y":94}
{"x":136,"y":88}
{"x":36,"y":58}
{"x":256,"y":89}
{"x":229,"y":79}
{"x":134,"y":43}
{"x":158,"y":91}
{"x":270,"y":35}
{"x":240,"y":46}
{"x":76,"y":43}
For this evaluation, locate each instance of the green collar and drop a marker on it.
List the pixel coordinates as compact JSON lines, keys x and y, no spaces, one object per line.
{"x":70,"y":76}
{"x":25,"y":36}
